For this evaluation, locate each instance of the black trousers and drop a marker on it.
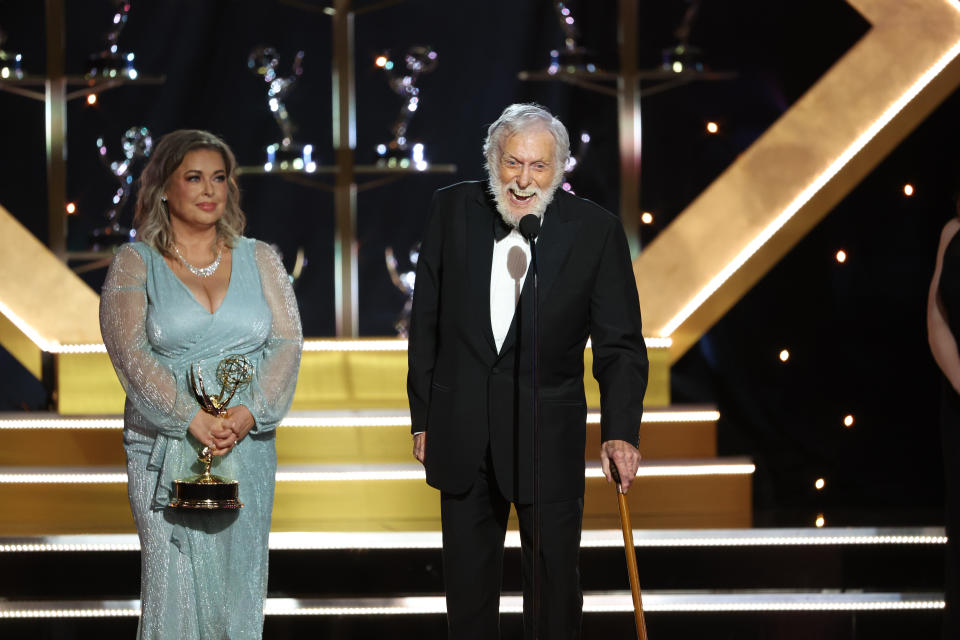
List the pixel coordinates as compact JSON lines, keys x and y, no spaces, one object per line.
{"x":474,"y":527}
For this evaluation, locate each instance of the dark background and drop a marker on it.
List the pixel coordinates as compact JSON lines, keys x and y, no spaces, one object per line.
{"x":856,"y":331}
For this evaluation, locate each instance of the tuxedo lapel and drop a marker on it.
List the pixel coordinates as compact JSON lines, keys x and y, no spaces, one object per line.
{"x":479,"y":243}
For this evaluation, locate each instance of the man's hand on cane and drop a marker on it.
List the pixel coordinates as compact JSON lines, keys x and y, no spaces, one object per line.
{"x":625,"y":456}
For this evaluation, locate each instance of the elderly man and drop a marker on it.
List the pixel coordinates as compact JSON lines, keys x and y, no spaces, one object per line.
{"x":469,"y":382}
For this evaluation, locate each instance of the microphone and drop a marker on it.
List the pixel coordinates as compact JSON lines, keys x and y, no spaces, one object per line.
{"x":529,"y":226}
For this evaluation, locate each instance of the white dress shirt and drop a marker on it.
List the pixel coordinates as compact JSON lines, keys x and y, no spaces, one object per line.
{"x":511,"y":257}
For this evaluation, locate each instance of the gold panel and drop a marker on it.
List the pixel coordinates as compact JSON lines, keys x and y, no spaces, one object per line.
{"x":658,"y":503}
{"x":323,"y":445}
{"x":39,"y":294}
{"x":87,"y":383}
{"x":20,"y":347}
{"x":61,"y":447}
{"x":37,"y":509}
{"x":794,"y":174}
{"x":399,"y":505}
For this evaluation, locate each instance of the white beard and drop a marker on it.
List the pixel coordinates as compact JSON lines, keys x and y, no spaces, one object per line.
{"x":544,"y":198}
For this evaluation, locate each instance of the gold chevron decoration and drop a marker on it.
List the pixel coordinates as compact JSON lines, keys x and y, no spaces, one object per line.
{"x":800,"y":168}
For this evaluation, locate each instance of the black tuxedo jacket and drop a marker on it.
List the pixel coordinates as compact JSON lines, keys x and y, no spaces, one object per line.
{"x":467,"y":396}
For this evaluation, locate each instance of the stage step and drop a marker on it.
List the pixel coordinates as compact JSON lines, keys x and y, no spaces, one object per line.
{"x":669,"y":494}
{"x":745,"y":615}
{"x":367,"y":564}
{"x":323,"y":437}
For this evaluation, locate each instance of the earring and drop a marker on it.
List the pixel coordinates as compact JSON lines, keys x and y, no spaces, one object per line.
{"x":163,"y":198}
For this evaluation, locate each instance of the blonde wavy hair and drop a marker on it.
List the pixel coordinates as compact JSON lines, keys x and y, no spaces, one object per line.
{"x":152,"y":217}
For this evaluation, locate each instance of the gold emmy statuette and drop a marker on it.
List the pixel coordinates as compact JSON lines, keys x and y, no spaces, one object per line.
{"x":207,"y":491}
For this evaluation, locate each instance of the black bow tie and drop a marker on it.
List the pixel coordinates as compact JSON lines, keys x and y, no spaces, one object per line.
{"x":500,"y":228}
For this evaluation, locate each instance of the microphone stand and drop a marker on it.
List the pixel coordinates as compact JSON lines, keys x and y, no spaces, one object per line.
{"x":530,"y":228}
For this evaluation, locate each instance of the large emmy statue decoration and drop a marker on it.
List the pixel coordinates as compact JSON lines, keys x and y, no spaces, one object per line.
{"x":405,"y":282}
{"x":205,"y":490}
{"x":683,"y":56}
{"x":9,"y":62}
{"x":572,"y":57}
{"x":288,"y":153}
{"x":111,"y":62}
{"x":400,"y":152}
{"x":135,"y":144}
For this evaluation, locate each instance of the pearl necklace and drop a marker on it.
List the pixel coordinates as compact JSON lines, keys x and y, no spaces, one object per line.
{"x":201,"y":272}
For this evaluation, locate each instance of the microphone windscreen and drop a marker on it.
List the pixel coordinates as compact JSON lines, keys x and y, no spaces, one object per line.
{"x":529,"y":226}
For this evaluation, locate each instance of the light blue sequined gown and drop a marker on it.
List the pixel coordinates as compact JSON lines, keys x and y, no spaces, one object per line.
{"x":203,"y":575}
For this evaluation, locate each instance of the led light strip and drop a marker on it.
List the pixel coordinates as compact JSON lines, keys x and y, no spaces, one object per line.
{"x":606,"y":602}
{"x":590,"y":539}
{"x":819,"y":182}
{"x":389,"y":344}
{"x":349,"y":473}
{"x":330,"y":421}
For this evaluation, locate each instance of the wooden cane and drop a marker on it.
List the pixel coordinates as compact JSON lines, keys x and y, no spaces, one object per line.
{"x":631,"y":555}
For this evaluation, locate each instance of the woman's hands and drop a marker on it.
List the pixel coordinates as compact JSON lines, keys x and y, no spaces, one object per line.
{"x":210,"y":432}
{"x":239,"y":421}
{"x":222,"y":433}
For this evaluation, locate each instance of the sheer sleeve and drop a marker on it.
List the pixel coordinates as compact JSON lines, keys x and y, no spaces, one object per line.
{"x":152,"y":387}
{"x":271,"y":392}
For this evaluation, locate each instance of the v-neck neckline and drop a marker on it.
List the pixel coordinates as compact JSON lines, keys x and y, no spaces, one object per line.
{"x":190,"y":292}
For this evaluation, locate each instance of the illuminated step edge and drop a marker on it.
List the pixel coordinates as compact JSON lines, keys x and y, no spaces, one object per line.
{"x":605,"y":538}
{"x":327,"y":419}
{"x":600,"y":602}
{"x":342,"y":473}
{"x":388,"y":344}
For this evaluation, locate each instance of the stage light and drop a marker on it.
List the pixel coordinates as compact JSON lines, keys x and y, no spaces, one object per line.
{"x":71,"y":208}
{"x":908,"y":190}
{"x":848,"y":420}
{"x":841,"y":256}
{"x":784,"y":355}
{"x":677,"y":67}
{"x":820,"y":521}
{"x":820,"y":484}
{"x":381,"y":61}
{"x":91,"y":98}
{"x":712,"y":127}
{"x":646,"y":217}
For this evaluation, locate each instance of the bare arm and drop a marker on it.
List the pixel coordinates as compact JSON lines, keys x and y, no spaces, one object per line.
{"x":943,"y":345}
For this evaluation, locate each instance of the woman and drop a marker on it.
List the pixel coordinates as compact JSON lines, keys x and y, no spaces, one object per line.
{"x":943,"y":330}
{"x":191,"y":292}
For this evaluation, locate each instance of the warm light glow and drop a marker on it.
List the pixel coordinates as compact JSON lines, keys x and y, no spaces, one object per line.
{"x":327,"y":420}
{"x":712,"y":127}
{"x":369,"y":472}
{"x":841,"y":256}
{"x":812,"y":189}
{"x":848,"y":420}
{"x":512,"y":604}
{"x":820,"y":483}
{"x":784,"y":355}
{"x":71,"y":208}
{"x":646,"y":217}
{"x":381,"y":61}
{"x":92,"y":98}
{"x":908,"y":190}
{"x":591,"y":538}
{"x":820,"y":520}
